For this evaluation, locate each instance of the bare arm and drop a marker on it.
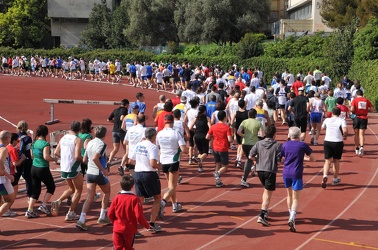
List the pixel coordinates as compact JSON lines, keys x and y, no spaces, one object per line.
{"x":154,"y":163}
{"x":78,"y":147}
{"x":309,"y":157}
{"x":46,"y":154}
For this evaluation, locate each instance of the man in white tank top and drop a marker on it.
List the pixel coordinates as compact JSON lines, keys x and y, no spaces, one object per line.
{"x":69,"y":151}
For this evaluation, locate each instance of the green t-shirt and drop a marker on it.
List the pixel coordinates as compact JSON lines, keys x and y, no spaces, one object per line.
{"x":250,"y":129}
{"x":84,"y":137}
{"x":37,"y":149}
{"x":330,"y":101}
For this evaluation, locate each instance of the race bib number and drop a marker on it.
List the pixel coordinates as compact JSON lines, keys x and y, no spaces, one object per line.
{"x":362,"y":105}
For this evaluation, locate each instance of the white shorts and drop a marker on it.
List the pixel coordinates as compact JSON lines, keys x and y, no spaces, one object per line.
{"x":6,"y":189}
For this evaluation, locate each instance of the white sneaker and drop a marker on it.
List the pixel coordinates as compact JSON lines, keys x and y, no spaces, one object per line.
{"x":361,"y":152}
{"x":244,"y":184}
{"x":10,"y":213}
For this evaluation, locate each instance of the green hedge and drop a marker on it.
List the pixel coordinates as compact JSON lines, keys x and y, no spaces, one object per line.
{"x":366,"y":72}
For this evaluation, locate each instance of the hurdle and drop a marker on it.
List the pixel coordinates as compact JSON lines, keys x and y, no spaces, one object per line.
{"x":65,"y":101}
{"x":31,"y":132}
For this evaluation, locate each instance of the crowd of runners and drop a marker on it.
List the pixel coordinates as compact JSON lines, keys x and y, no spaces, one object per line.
{"x":214,"y":112}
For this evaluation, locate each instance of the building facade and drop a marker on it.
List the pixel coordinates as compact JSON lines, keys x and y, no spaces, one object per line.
{"x":69,"y":18}
{"x":303,"y":16}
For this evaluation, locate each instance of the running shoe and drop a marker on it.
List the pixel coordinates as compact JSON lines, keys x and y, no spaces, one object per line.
{"x":216,"y":175}
{"x":253,"y":171}
{"x":262,"y":221}
{"x":155,"y":229}
{"x":312,"y":141}
{"x":148,"y":199}
{"x":69,"y":201}
{"x":177,"y":208}
{"x":218,"y":184}
{"x":194,"y":160}
{"x":291,"y":224}
{"x":105,"y":221}
{"x":97,"y":197}
{"x":361,"y":152}
{"x":138,"y":235}
{"x":316,"y":143}
{"x":81,"y":225}
{"x":233,"y":147}
{"x":239,"y":165}
{"x":179,"y":180}
{"x":324,"y":181}
{"x":10,"y":213}
{"x":43,"y":209}
{"x":31,"y":214}
{"x":55,"y":208}
{"x":72,"y":217}
{"x":121,"y":171}
{"x":336,"y":181}
{"x":357,"y":150}
{"x":161,"y":210}
{"x":244,"y":183}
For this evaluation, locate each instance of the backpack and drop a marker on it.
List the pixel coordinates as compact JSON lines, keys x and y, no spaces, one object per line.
{"x":24,"y":146}
{"x":271,"y":102}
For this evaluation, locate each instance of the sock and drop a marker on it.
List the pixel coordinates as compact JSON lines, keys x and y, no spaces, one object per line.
{"x":175,"y":205}
{"x":82,"y":217}
{"x":293,"y":213}
{"x":102,"y":213}
{"x":289,"y":211}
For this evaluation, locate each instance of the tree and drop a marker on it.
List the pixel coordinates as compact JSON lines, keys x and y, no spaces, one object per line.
{"x":25,"y":24}
{"x":119,"y":21}
{"x":339,"y":13}
{"x":151,"y":22}
{"x":99,"y":27}
{"x":219,"y":21}
{"x":366,"y":42}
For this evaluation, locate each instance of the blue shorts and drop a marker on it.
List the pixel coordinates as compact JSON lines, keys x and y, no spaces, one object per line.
{"x":6,"y":189}
{"x":295,"y":184}
{"x":144,"y":78}
{"x":98,"y":179}
{"x":147,"y":184}
{"x":316,"y":117}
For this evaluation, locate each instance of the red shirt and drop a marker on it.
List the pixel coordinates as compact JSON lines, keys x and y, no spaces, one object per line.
{"x":220,"y":131}
{"x":176,"y":101}
{"x":361,"y":107}
{"x":160,"y":120}
{"x":344,"y":111}
{"x":125,"y":212}
{"x":296,"y":85}
{"x":241,"y":85}
{"x":13,"y":154}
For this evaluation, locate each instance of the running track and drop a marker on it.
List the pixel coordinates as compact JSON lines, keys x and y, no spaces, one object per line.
{"x":340,"y":217}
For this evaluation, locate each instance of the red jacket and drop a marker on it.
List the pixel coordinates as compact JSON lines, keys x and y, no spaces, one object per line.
{"x":125,"y":212}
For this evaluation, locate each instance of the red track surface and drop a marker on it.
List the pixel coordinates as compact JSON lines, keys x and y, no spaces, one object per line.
{"x":339,"y":217}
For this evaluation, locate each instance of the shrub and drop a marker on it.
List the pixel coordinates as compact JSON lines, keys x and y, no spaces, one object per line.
{"x":366,"y":42}
{"x":250,"y":46}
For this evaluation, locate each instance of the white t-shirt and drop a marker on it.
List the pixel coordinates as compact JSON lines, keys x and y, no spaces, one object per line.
{"x":169,"y":141}
{"x":134,"y":135}
{"x":67,"y":153}
{"x":178,"y":126}
{"x":259,"y":92}
{"x":333,"y":127}
{"x":94,"y":146}
{"x":233,"y":106}
{"x":144,"y":152}
{"x":191,"y":113}
{"x":250,"y":101}
{"x":159,"y":77}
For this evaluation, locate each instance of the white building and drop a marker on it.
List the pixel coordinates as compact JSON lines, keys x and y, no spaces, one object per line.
{"x":303,"y":16}
{"x":69,"y":18}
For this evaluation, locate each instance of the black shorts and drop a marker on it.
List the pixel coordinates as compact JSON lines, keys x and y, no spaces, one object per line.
{"x":246,"y":149}
{"x":105,"y":72}
{"x":191,"y":138}
{"x":98,"y":179}
{"x":282,"y":106}
{"x":149,"y":77}
{"x":173,"y":167}
{"x":147,"y":184}
{"x":359,"y":123}
{"x":201,"y":143}
{"x":133,"y":75}
{"x":221,"y":157}
{"x":238,"y":138}
{"x":333,"y":150}
{"x":166,"y":78}
{"x":5,"y":65}
{"x":118,"y":136}
{"x":58,"y":68}
{"x":268,"y":180}
{"x":301,"y":123}
{"x":317,"y":82}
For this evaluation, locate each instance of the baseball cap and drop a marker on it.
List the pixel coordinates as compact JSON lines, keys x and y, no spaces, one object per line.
{"x":168,"y":118}
{"x":301,"y":89}
{"x":183,"y":99}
